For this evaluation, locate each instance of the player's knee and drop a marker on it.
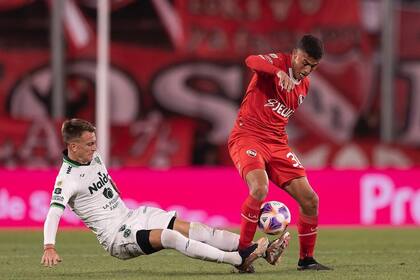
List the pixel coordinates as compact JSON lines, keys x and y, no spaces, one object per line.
{"x":182,"y":227}
{"x":311,"y":204}
{"x":257,"y":182}
{"x":259,"y":192}
{"x":169,"y":238}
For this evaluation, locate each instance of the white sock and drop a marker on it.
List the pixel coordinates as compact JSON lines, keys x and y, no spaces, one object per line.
{"x":174,"y":240}
{"x":222,"y":239}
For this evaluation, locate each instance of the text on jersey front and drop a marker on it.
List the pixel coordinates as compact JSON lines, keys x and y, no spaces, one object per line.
{"x":279,"y":108}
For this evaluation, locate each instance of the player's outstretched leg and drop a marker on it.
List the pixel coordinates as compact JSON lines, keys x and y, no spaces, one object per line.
{"x":276,"y":249}
{"x":228,"y":241}
{"x":172,"y":239}
{"x":221,"y":239}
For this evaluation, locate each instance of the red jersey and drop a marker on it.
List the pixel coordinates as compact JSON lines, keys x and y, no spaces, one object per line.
{"x":266,"y":107}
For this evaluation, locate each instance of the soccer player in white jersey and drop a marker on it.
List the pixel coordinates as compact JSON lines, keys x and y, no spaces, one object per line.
{"x":84,"y":184}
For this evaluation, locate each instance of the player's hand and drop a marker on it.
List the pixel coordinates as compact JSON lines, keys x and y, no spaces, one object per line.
{"x":285,"y":83}
{"x":50,"y":257}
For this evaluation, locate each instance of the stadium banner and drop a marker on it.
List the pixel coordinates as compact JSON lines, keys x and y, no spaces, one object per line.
{"x":221,"y":28}
{"x":214,"y":196}
{"x":157,"y":88}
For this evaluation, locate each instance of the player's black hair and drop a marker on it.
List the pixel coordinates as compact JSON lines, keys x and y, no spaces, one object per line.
{"x":74,"y":128}
{"x":312,"y":45}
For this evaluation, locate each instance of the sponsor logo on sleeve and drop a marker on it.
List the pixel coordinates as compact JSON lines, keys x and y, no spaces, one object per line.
{"x":57,"y":190}
{"x":57,"y":198}
{"x":98,"y":160}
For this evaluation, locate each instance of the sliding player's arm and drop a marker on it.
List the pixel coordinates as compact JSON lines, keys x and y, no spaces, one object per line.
{"x":64,"y":189}
{"x":269,"y":64}
{"x":50,"y":256}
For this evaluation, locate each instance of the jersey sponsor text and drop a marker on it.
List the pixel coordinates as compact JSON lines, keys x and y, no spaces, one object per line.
{"x":103,"y":179}
{"x":279,"y":108}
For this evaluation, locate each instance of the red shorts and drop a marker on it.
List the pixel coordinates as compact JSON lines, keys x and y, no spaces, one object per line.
{"x":249,"y":153}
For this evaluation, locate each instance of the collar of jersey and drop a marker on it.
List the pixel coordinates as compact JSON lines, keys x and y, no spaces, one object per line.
{"x":72,"y":162}
{"x":296,"y":82}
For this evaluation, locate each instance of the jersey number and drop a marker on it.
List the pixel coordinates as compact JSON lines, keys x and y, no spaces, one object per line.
{"x":294,"y":159}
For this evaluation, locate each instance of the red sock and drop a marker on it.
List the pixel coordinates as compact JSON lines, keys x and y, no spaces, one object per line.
{"x":307,"y":228}
{"x":250,"y":212}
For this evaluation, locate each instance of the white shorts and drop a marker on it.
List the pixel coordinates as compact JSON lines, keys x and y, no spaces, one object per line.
{"x":125,"y":245}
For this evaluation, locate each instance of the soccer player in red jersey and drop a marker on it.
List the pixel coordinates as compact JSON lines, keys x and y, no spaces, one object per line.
{"x":258,"y":144}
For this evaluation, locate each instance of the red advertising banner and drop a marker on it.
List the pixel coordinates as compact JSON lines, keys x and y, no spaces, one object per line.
{"x":214,"y":196}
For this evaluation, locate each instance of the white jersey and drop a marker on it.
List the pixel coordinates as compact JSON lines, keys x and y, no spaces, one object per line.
{"x":91,"y":195}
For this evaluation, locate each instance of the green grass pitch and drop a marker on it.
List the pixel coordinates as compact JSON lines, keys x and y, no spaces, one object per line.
{"x":353,"y":253}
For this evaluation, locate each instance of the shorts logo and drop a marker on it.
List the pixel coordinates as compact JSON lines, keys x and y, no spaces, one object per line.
{"x":127,"y":232}
{"x":251,"y":153}
{"x":122,"y":228}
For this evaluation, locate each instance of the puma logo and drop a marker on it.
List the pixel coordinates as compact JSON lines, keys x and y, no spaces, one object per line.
{"x":252,"y":216}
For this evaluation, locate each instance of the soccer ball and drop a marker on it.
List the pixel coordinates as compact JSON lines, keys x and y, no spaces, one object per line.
{"x":274,"y":217}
